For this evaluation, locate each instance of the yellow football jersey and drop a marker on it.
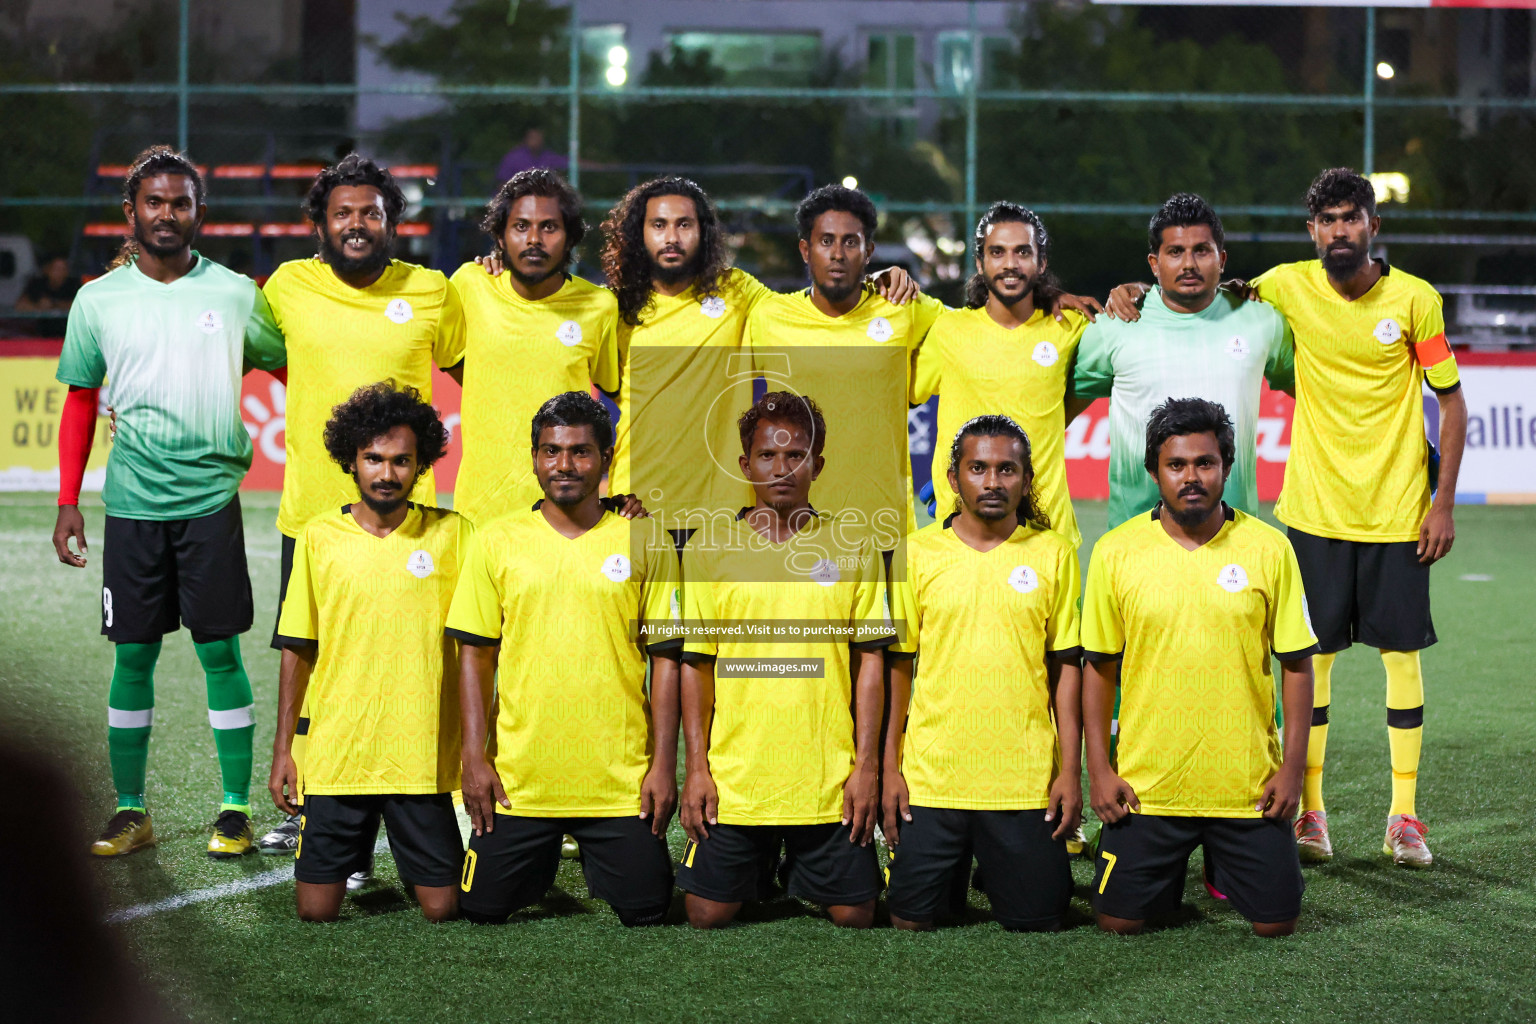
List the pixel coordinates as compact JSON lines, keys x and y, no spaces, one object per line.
{"x":978,"y":367}
{"x":979,"y":733}
{"x":342,"y":338}
{"x":686,"y":381}
{"x":857,"y":368}
{"x":517,"y":355}
{"x":1196,"y":630}
{"x":781,"y":746}
{"x":1358,"y":468}
{"x":573,"y":617}
{"x":383,"y":700}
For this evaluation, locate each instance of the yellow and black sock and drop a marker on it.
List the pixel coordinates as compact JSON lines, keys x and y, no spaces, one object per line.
{"x":1317,"y":739}
{"x":1405,"y":725}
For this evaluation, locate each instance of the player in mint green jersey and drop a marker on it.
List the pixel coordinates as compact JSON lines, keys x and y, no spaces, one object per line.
{"x":173,"y":332}
{"x":1192,"y":341}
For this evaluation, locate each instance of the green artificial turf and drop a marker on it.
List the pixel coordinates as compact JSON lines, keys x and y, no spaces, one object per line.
{"x":1456,"y":943}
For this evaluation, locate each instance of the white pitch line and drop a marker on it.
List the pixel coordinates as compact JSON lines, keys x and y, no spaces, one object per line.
{"x":250,"y":883}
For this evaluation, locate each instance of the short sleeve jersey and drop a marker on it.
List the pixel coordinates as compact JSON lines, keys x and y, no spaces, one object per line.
{"x":1358,"y":463}
{"x":978,"y":367}
{"x":781,"y":747}
{"x":342,"y":338}
{"x":980,"y":734}
{"x":574,"y":617}
{"x":383,"y":700}
{"x":518,"y":354}
{"x":686,"y":380}
{"x":1196,"y":630}
{"x":172,"y":355}
{"x":857,"y":368}
{"x":1221,"y":354}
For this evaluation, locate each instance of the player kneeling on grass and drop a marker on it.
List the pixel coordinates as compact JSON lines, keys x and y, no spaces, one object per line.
{"x":580,"y":597}
{"x":1186,"y":604}
{"x":782,"y":727}
{"x":364,"y":652}
{"x":986,"y":755}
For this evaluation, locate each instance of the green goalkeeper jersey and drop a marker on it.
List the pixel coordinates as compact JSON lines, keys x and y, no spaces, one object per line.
{"x":173,"y":355}
{"x":1219,"y":354}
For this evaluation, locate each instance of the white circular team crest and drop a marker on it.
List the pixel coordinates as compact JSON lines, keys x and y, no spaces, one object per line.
{"x":1388,"y":331}
{"x":880,"y":329}
{"x":420,"y":564}
{"x":1045,"y":354}
{"x":616,"y":568}
{"x":210,"y":321}
{"x":825,"y":572}
{"x":1232,"y":578}
{"x":1237,"y":346}
{"x":712,"y":306}
{"x":1023,"y":579}
{"x":399,"y":311}
{"x":569,"y":333}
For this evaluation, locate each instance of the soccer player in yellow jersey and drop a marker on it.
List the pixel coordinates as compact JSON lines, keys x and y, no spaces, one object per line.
{"x":365,"y":657}
{"x":1005,"y":353}
{"x":843,"y":342}
{"x":983,"y":753}
{"x":533,"y":332}
{"x":582,"y":599}
{"x":782,"y":697}
{"x":1185,"y":606}
{"x":1357,"y":494}
{"x":352,"y":316}
{"x":682,"y":313}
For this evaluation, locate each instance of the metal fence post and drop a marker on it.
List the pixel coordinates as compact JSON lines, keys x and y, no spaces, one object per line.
{"x":182,"y":88}
{"x":972,"y":86}
{"x":1370,"y":91}
{"x":573,"y":172}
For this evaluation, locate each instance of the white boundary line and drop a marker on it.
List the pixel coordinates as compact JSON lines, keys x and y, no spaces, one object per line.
{"x":250,"y":883}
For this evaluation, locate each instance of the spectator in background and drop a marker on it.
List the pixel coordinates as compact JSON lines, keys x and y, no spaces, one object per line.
{"x":529,"y":155}
{"x":51,"y":290}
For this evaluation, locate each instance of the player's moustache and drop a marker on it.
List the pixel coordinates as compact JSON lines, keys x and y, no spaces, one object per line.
{"x":1191,"y":490}
{"x":534,"y":253}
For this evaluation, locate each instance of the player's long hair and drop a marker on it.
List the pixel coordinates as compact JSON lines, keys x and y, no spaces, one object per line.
{"x":1046,"y":286}
{"x":998,"y":425}
{"x":626,"y":262}
{"x":152,"y":161}
{"x":375,"y":410}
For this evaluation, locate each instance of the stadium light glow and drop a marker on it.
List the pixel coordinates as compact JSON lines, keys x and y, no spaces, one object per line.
{"x":616,"y":75}
{"x":1385,"y":70}
{"x":1390,"y":186}
{"x":618,"y":56}
{"x":850,"y":182}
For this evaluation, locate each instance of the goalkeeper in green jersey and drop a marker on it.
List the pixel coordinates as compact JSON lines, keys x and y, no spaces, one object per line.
{"x":173,"y":332}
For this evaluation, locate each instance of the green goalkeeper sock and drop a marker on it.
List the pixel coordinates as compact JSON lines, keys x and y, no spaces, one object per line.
{"x":232,"y":715}
{"x":130,"y":713}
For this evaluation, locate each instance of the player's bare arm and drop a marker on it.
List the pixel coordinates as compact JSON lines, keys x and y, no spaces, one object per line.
{"x":1282,"y":793}
{"x":482,"y":786}
{"x":1066,"y":797}
{"x":658,"y":791}
{"x":1110,"y":796}
{"x":292,"y":681}
{"x":700,"y":800}
{"x":861,"y":793}
{"x":896,"y":806}
{"x":1438,"y":531}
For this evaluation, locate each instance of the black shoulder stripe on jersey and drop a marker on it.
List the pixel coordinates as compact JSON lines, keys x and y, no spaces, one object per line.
{"x":295,"y":641}
{"x":1305,"y":652}
{"x":473,"y":639}
{"x":1444,"y":391}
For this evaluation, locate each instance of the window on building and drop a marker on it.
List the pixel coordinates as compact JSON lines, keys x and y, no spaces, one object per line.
{"x":755,"y":58}
{"x":952,"y":62}
{"x":891,"y":61}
